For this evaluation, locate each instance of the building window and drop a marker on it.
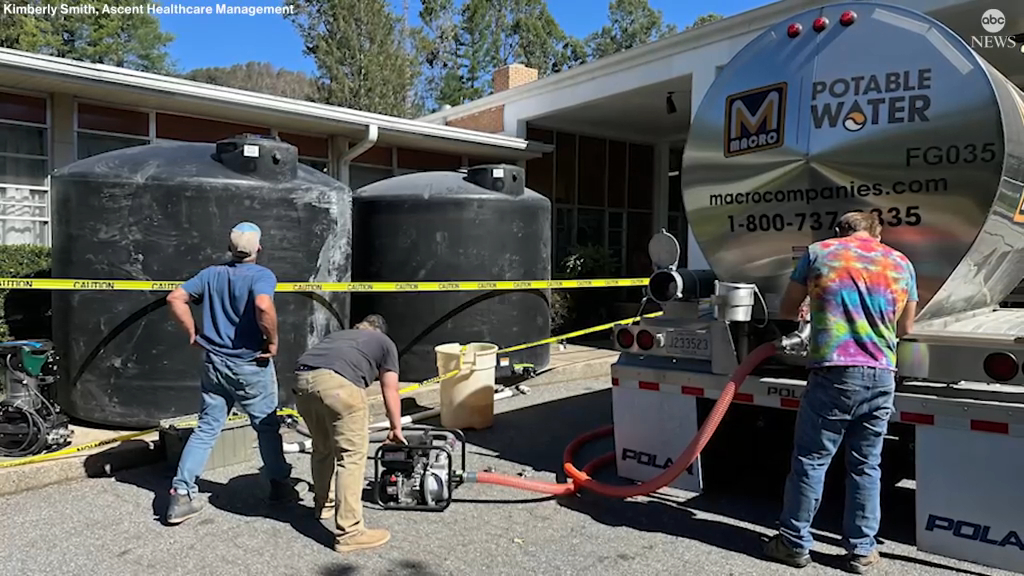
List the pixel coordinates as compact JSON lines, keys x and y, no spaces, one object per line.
{"x":314,"y":151}
{"x":375,"y":164}
{"x":381,"y":162}
{"x":565,"y":168}
{"x":360,"y":175}
{"x":102,"y":129}
{"x":540,"y":172}
{"x":676,"y":214}
{"x":590,"y":226}
{"x":617,"y":238}
{"x":565,"y":232}
{"x":192,"y":129}
{"x":591,"y":172}
{"x":24,"y":169}
{"x":421,"y":160}
{"x":316,"y":163}
{"x":603,"y":195}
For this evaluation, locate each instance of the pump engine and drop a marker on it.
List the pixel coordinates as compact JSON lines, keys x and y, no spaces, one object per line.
{"x":30,"y":420}
{"x":420,"y":475}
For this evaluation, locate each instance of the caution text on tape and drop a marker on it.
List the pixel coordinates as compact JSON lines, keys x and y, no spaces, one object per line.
{"x":165,"y":286}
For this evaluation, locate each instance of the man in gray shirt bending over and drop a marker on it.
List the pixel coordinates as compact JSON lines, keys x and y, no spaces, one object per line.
{"x":330,"y":394}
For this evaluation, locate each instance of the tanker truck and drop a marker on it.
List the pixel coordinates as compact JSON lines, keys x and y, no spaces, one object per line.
{"x":853,"y":106}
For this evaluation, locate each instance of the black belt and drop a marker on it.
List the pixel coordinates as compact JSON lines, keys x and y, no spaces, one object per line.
{"x":306,"y":368}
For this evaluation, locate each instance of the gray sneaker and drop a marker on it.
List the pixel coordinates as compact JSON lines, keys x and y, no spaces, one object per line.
{"x":778,"y":550}
{"x":182,"y":507}
{"x":860,"y":564}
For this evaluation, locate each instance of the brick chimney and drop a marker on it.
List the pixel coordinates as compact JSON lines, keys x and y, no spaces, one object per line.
{"x":512,"y":75}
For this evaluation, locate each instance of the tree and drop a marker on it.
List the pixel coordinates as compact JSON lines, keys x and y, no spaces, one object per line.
{"x":132,"y":39}
{"x":464,"y":43}
{"x":440,"y":45}
{"x":705,"y":19}
{"x":572,"y":54}
{"x":361,"y":57}
{"x":258,"y":77}
{"x":631,"y":23}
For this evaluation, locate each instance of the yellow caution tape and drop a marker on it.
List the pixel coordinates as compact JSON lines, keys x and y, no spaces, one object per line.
{"x":153,"y":286}
{"x":117,"y":439}
{"x":562,"y":337}
{"x":518,"y":347}
{"x":73,"y":449}
{"x":289,"y":412}
{"x":439,"y":378}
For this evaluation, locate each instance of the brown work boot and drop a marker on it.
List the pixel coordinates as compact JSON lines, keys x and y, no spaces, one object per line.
{"x":777,"y":549}
{"x":367,"y":538}
{"x":860,"y":564}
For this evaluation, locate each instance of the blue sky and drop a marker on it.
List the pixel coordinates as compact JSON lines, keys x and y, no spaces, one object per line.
{"x":222,"y":40}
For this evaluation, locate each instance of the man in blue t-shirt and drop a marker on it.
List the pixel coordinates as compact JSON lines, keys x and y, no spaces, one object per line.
{"x":239,"y":336}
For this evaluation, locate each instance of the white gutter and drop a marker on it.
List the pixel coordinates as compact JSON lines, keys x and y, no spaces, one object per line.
{"x":354,"y":152}
{"x":49,"y":66}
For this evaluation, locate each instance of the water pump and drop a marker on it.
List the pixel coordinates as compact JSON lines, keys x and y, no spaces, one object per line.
{"x":30,"y":420}
{"x":420,"y":475}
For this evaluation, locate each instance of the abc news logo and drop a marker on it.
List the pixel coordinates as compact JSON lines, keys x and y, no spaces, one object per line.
{"x":994,"y":22}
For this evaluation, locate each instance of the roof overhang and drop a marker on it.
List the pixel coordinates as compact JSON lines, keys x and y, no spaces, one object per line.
{"x":33,"y":72}
{"x":706,"y":36}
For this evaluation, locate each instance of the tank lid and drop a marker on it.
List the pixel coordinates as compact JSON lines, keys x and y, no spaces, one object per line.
{"x":263,"y":157}
{"x":664,"y":250}
{"x":505,"y":178}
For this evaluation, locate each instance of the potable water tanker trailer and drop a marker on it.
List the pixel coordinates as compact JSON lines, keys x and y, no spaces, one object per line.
{"x":854,"y":106}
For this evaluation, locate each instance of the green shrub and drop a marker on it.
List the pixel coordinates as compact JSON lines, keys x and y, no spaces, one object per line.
{"x":26,"y":313}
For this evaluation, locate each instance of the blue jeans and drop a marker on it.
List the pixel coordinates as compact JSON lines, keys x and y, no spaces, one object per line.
{"x":856,"y":402}
{"x":224,"y":383}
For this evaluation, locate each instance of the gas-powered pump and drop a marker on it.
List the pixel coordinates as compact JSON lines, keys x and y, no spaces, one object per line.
{"x":422,"y":474}
{"x":30,"y":420}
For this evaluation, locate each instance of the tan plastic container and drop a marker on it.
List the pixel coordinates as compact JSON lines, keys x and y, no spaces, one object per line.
{"x":467,"y":399}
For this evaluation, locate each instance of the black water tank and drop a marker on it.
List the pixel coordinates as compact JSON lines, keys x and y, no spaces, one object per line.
{"x":452,"y":226}
{"x":163,"y":212}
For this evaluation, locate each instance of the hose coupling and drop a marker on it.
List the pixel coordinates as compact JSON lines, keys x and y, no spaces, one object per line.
{"x":798,"y":342}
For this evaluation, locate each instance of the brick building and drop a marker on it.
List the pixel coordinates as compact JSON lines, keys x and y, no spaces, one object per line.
{"x":55,"y":111}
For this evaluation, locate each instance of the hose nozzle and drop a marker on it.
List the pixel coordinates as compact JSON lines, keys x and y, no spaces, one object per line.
{"x":798,"y":342}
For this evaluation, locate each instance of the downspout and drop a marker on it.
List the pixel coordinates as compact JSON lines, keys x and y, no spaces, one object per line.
{"x":354,"y":152}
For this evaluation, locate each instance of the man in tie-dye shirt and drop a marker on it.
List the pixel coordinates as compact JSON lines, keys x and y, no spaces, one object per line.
{"x":863,"y":298}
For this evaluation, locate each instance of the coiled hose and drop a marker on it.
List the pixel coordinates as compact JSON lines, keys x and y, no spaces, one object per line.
{"x":580,"y":479}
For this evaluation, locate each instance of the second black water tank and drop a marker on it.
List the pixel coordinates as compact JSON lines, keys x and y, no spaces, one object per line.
{"x":453,"y":226}
{"x":163,"y":212}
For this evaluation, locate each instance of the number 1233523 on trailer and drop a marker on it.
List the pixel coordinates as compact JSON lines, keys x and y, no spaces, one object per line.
{"x":688,"y":343}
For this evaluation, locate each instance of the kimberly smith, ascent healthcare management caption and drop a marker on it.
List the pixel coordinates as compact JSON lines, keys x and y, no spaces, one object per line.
{"x":169,"y":9}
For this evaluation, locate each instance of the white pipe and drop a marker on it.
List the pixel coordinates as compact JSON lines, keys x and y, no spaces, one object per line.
{"x":306,"y":445}
{"x":355,"y":151}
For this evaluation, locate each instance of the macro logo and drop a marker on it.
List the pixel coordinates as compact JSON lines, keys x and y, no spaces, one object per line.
{"x":755,"y":120}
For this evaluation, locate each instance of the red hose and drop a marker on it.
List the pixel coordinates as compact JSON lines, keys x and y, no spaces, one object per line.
{"x":581,"y":478}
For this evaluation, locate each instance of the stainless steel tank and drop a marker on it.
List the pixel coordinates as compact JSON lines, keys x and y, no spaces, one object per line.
{"x":862,"y":106}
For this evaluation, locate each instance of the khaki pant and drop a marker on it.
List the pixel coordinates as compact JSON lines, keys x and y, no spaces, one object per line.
{"x":336,"y":413}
